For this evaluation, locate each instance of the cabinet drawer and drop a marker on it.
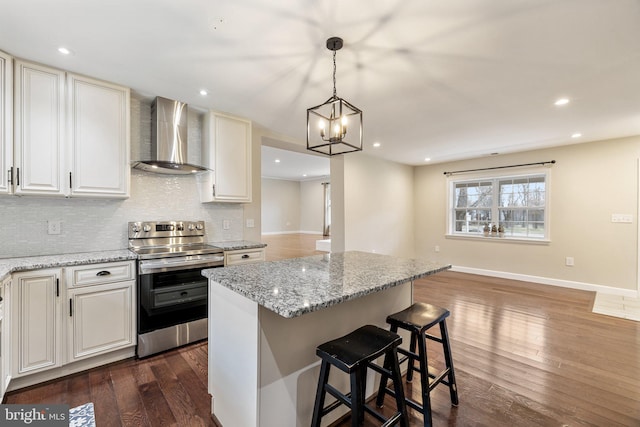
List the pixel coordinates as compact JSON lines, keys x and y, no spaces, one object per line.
{"x":244,"y":256}
{"x":86,"y":275}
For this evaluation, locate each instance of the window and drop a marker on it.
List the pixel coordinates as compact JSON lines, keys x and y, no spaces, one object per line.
{"x":514,"y":206}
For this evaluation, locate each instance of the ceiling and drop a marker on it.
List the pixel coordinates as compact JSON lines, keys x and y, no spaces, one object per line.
{"x":436,"y":79}
{"x":291,"y":165}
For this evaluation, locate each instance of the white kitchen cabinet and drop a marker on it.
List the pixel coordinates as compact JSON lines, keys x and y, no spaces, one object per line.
{"x":243,"y":256}
{"x":5,"y":336}
{"x":98,"y":138}
{"x":71,"y":134}
{"x":36,"y":331}
{"x":6,"y":123}
{"x":226,"y":150}
{"x":101,"y":311}
{"x":39,"y":130}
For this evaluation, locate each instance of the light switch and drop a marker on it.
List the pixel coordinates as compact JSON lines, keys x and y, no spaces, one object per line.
{"x":226,"y":224}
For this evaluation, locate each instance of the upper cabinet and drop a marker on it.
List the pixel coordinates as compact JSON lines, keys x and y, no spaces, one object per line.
{"x":71,"y":134}
{"x":6,"y":118}
{"x":226,"y":150}
{"x":39,"y":130}
{"x":98,"y":138}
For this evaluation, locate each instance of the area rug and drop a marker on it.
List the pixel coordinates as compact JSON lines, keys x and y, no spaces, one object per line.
{"x":82,"y":416}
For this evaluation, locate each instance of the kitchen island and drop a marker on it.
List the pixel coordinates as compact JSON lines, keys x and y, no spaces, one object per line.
{"x":266,"y":320}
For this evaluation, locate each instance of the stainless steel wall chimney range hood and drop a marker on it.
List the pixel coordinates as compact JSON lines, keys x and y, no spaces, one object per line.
{"x":168,"y":140}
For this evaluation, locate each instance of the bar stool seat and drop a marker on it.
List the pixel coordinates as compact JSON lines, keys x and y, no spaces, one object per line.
{"x":353,"y":354}
{"x":418,"y":319}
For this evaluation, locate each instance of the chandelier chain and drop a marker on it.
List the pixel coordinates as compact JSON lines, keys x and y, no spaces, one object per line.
{"x":334,"y":73}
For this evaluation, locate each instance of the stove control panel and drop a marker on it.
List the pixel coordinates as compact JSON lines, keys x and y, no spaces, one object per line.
{"x":154,"y":229}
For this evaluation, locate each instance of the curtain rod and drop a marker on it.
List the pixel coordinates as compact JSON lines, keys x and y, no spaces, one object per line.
{"x":502,"y":167}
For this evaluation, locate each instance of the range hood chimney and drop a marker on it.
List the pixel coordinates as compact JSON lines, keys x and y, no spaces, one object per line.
{"x":168,"y":140}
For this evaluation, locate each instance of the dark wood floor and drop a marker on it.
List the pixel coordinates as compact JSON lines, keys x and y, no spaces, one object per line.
{"x":525,"y":355}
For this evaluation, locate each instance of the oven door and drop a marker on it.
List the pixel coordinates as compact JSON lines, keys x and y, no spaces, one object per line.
{"x":172,"y":291}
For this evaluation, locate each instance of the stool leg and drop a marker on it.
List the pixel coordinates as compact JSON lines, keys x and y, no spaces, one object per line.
{"x":357,"y":412}
{"x":453,"y":388}
{"x":412,"y":349}
{"x":320,"y":394}
{"x":397,"y":385}
{"x":384,"y":379}
{"x":382,"y":387}
{"x":424,"y":380}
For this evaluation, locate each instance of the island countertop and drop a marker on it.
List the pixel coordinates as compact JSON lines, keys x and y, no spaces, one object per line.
{"x":296,"y":286}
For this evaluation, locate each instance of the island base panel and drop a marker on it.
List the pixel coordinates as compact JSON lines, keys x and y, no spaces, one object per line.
{"x":264,"y":365}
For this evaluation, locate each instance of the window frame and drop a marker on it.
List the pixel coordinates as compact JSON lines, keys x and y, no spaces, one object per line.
{"x":495,"y":178}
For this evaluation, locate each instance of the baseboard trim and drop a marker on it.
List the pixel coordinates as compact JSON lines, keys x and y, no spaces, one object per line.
{"x":271,"y":233}
{"x":548,"y":281}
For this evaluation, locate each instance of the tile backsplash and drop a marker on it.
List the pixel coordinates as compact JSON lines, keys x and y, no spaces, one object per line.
{"x":96,"y":224}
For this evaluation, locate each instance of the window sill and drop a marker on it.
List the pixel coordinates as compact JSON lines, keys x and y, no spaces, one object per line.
{"x":480,"y":237}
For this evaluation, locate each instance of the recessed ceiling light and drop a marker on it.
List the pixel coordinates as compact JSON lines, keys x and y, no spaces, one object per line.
{"x":376,"y":144}
{"x":203,"y":92}
{"x":304,"y":174}
{"x":576,"y":135}
{"x":427,"y":159}
{"x":277,"y":160}
{"x":64,"y":51}
{"x":561,"y":101}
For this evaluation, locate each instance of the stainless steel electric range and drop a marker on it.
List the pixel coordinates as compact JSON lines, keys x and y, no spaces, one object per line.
{"x":172,"y":293}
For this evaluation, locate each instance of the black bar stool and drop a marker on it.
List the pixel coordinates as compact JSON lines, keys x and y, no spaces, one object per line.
{"x":353,"y":354}
{"x":417,"y":319}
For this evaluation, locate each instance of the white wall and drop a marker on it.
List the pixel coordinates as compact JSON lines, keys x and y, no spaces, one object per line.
{"x":292,"y":206}
{"x":588,"y":183}
{"x":280,"y":206}
{"x":312,"y":205}
{"x":375,"y":209}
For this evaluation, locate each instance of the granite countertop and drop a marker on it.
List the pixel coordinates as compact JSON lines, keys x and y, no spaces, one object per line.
{"x":293,"y":287}
{"x":238,"y":244}
{"x":11,"y":265}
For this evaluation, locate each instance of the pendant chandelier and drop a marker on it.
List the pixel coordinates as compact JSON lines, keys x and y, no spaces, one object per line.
{"x":334,"y":127}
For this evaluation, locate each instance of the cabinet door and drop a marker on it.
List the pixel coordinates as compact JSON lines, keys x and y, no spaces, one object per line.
{"x":37,"y":331}
{"x":5,"y":337}
{"x":39,"y":130}
{"x":227,"y":150}
{"x":99,"y":138}
{"x":6,"y":125}
{"x":101,"y":319}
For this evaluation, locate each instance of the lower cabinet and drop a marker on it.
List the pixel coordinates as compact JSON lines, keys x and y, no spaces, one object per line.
{"x":101,"y":309}
{"x":37,"y":327}
{"x":243,"y":256}
{"x":5,"y":336}
{"x":61,"y":316}
{"x":100,"y":320}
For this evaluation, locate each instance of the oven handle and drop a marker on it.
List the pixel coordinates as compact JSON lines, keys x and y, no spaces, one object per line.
{"x":157,"y":266}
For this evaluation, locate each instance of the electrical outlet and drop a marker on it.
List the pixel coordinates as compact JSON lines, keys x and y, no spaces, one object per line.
{"x":437,"y":248}
{"x":569,"y":261}
{"x":226,"y":224}
{"x":54,"y":227}
{"x":250,"y":223}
